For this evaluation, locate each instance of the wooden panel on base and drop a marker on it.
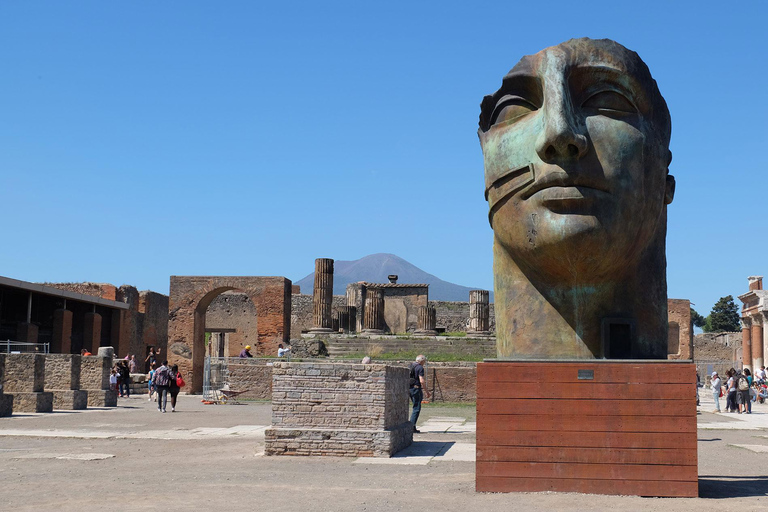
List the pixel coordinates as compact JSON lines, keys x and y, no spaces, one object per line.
{"x":597,"y":426}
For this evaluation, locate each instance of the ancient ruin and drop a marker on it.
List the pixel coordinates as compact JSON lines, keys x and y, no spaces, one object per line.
{"x":323,"y":295}
{"x":754,"y":318}
{"x":190,"y":297}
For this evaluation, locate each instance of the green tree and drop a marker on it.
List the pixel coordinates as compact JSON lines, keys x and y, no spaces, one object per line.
{"x":724,"y":316}
{"x":696,"y":319}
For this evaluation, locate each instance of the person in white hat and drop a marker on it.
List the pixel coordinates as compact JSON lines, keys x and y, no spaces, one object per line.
{"x":716,"y":390}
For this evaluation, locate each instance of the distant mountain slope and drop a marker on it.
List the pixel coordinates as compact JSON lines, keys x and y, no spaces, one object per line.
{"x":376,"y":267}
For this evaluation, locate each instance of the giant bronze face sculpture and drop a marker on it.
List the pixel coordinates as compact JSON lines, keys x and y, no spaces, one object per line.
{"x":576,"y":151}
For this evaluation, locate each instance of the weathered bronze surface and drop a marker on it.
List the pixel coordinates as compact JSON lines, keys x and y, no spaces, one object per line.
{"x":576,"y":151}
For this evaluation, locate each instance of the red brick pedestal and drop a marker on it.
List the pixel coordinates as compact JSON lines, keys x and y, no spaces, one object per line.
{"x":597,"y":426}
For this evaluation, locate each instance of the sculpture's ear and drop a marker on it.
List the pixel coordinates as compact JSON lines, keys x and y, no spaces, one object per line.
{"x":669,"y":191}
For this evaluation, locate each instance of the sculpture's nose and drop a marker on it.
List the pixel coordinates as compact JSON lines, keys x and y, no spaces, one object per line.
{"x":563,"y":137}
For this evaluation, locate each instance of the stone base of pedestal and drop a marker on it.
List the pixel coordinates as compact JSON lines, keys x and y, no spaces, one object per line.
{"x":41,"y":401}
{"x":70,"y":399}
{"x":479,"y":334}
{"x":629,"y":427}
{"x":373,"y":331}
{"x":337,"y":442}
{"x":102,"y":398}
{"x":6,"y":405}
{"x":425,"y":333}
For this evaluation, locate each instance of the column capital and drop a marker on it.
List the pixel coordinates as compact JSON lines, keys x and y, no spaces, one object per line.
{"x":746,"y":322}
{"x":757,"y":319}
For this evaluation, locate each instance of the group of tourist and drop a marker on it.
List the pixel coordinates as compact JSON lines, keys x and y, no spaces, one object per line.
{"x":740,"y":389}
{"x":120,"y":378}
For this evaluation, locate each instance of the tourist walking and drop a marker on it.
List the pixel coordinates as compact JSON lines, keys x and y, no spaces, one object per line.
{"x":730,"y":400}
{"x":175,"y":388}
{"x":125,"y":379}
{"x":717,"y":390}
{"x":743,"y":383}
{"x":417,"y":388}
{"x":162,"y":385}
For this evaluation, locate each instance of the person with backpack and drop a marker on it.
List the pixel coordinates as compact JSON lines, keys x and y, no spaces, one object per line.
{"x":743,"y":383}
{"x":417,"y":388}
{"x":176,"y":383}
{"x":162,"y":385}
{"x":125,"y":379}
{"x":730,"y":400}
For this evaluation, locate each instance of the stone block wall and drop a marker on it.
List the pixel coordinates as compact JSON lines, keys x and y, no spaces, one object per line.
{"x":301,"y":312}
{"x":94,"y":372}
{"x":62,"y":371}
{"x":251,"y":375}
{"x":453,"y":316}
{"x":333,"y":395}
{"x":24,"y":373}
{"x":332,"y":409}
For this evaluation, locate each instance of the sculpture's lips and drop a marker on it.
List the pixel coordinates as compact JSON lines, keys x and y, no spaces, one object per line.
{"x":565,"y":187}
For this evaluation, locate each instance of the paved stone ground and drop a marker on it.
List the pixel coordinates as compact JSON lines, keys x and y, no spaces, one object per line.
{"x":207,"y":457}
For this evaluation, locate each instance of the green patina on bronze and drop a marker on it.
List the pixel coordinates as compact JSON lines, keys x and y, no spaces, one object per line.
{"x":576,"y":152}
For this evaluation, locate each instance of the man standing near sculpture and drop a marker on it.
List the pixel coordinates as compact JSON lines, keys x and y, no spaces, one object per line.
{"x":417,"y":388}
{"x":576,"y":151}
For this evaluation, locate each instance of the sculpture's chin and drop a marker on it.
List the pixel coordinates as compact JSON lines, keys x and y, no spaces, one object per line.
{"x":569,"y":248}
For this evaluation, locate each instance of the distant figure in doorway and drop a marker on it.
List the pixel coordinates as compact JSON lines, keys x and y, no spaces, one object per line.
{"x":246,"y":352}
{"x":417,"y":388}
{"x":133,"y":366}
{"x":282,"y":351}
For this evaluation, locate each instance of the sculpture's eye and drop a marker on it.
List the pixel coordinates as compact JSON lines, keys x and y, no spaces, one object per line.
{"x":510,"y":108}
{"x":610,"y":102}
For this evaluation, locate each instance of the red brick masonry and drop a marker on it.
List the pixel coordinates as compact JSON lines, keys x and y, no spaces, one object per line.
{"x":631,"y":430}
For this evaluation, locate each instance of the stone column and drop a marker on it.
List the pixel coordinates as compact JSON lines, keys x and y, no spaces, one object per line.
{"x":342,"y":320}
{"x":62,"y":331}
{"x":26,"y":332}
{"x":757,"y":341}
{"x":427,"y":321}
{"x":92,"y":332}
{"x":374,"y":311}
{"x":746,"y":342}
{"x":351,"y":318}
{"x":479,"y":313}
{"x":322,"y":296}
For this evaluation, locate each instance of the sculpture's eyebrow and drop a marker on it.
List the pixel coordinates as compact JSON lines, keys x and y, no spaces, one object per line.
{"x":521,"y":83}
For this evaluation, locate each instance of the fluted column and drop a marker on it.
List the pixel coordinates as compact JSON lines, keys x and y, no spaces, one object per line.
{"x":374,"y":311}
{"x":479,"y":313}
{"x":322,"y":296}
{"x":347,"y":318}
{"x":427,"y":321}
{"x":757,"y":341}
{"x":746,"y":342}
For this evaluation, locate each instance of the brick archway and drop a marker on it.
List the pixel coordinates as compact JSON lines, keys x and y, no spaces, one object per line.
{"x":189,"y":299}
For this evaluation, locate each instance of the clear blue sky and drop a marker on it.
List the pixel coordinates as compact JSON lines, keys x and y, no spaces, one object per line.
{"x":144,"y":139}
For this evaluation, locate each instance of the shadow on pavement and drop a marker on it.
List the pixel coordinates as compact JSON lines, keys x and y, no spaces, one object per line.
{"x":719,"y":487}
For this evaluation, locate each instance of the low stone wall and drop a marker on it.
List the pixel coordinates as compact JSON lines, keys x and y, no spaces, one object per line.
{"x":62,"y":371}
{"x":94,"y":378}
{"x":254,"y":376}
{"x":335,"y":409}
{"x":6,"y":401}
{"x":24,"y":378}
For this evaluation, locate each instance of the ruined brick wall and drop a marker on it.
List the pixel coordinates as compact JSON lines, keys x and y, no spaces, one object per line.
{"x":103,"y":290}
{"x":24,"y":373}
{"x":454,"y":315}
{"x":333,"y":395}
{"x":251,"y":375}
{"x":301,"y":312}
{"x":680,"y":338}
{"x":153,"y":312}
{"x":62,"y":371}
{"x":721,"y":346}
{"x":232,"y":310}
{"x":94,"y":372}
{"x":452,"y":383}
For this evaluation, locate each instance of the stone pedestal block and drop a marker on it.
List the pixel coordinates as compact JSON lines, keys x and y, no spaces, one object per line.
{"x":94,"y":372}
{"x":24,"y":373}
{"x":322,"y":296}
{"x":102,"y":398}
{"x":108,"y":352}
{"x":92,"y":331}
{"x":337,"y":409}
{"x":26,"y":332}
{"x":70,"y":399}
{"x":6,"y":405}
{"x":62,"y":371}
{"x":62,"y":331}
{"x":33,"y":402}
{"x":630,"y":427}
